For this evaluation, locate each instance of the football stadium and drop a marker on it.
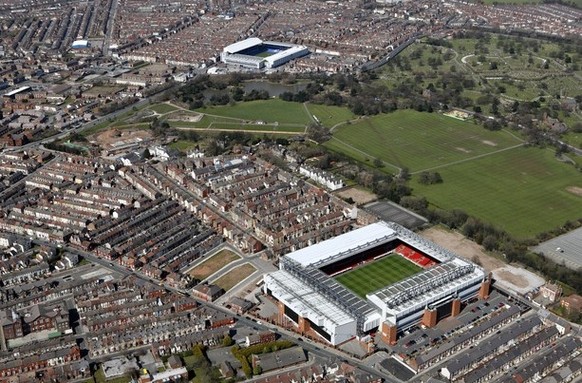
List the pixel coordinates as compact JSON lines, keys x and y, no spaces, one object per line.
{"x":254,"y":53}
{"x":378,"y":277}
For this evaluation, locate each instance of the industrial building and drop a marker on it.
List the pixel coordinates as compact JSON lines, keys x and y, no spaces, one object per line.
{"x":308,"y":294}
{"x":254,"y":53}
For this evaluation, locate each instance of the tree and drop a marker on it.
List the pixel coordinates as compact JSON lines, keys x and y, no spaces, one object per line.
{"x":257,"y":370}
{"x":429,"y":178}
{"x":378,"y":163}
{"x":490,"y":243}
{"x":318,"y":133}
{"x":404,"y":174}
{"x":495,"y":106}
{"x":227,"y":341}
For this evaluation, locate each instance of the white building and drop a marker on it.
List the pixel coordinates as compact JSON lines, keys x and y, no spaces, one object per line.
{"x":234,"y":54}
{"x":322,"y":177}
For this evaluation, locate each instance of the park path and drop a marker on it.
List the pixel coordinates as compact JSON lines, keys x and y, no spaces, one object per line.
{"x":236,"y":120}
{"x":469,"y":159}
{"x":364,"y":153}
{"x":286,"y":132}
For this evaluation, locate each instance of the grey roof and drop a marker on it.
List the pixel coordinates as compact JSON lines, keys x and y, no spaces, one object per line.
{"x":467,"y":335}
{"x":242,"y":303}
{"x":280,"y":359}
{"x":511,"y":354}
{"x":490,"y":345}
{"x":544,"y":360}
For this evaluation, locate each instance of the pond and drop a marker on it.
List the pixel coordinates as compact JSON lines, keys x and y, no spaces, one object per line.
{"x":274,"y":89}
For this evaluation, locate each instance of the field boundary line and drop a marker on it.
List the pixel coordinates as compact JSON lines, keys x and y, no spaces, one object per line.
{"x":364,"y":153}
{"x":311,"y":118}
{"x":242,"y":130}
{"x":468,"y":159}
{"x":513,"y":135}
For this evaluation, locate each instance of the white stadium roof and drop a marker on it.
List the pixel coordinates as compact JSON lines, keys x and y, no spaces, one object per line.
{"x":427,"y":287}
{"x":242,"y":45}
{"x":341,"y":244}
{"x":17,"y":90}
{"x":305,"y":300}
{"x":294,"y":49}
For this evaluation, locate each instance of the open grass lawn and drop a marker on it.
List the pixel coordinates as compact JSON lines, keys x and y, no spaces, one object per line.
{"x":376,"y":275}
{"x":138,"y":125}
{"x":204,"y":122}
{"x":183,"y":145}
{"x":522,"y":190}
{"x":330,"y":115}
{"x":417,"y":140}
{"x":163,"y":108}
{"x":273,"y":110}
{"x":257,"y":127}
{"x":233,"y":277}
{"x":213,"y":264}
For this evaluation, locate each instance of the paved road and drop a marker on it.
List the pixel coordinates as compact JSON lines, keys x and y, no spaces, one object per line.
{"x":85,"y":126}
{"x":110,"y":27}
{"x":316,"y":349}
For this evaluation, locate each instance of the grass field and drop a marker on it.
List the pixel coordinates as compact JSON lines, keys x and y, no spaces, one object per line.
{"x":330,"y":115}
{"x":257,"y":127}
{"x":230,"y":279}
{"x":273,"y":110}
{"x":523,"y":190}
{"x":204,"y":122}
{"x":183,"y":145}
{"x":163,"y":108}
{"x":376,"y":275}
{"x":407,"y":138}
{"x":213,"y":264}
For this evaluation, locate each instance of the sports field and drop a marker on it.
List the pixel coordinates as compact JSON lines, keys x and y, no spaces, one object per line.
{"x":416,"y":140}
{"x":523,"y":190}
{"x":376,"y":275}
{"x":329,"y":115}
{"x":273,"y":110}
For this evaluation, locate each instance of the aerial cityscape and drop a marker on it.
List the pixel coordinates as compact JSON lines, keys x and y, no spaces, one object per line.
{"x":290,"y":191}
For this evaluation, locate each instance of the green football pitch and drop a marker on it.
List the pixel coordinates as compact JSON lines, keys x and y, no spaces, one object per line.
{"x":376,"y":275}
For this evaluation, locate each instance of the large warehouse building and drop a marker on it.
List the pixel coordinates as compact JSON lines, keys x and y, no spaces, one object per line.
{"x":254,"y":53}
{"x":311,"y":284}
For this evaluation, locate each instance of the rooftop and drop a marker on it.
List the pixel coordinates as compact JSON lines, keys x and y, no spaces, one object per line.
{"x":242,"y":45}
{"x":347,"y":244}
{"x":306,"y":299}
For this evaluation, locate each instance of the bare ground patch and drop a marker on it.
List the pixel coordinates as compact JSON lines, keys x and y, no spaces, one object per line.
{"x":186,"y":116}
{"x":213,"y":264}
{"x":510,"y":277}
{"x":463,"y":150}
{"x":359,"y":196}
{"x":236,"y":275}
{"x":490,"y":143}
{"x":114,"y":137}
{"x":576,"y":190}
{"x":458,"y":244}
{"x":516,"y":279}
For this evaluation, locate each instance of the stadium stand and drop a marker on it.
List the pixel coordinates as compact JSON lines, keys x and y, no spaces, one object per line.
{"x":414,"y":256}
